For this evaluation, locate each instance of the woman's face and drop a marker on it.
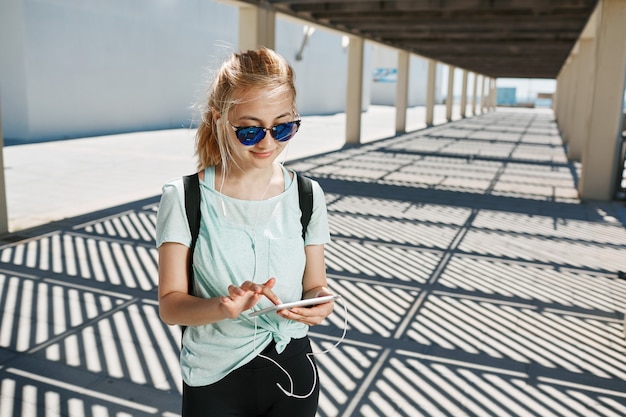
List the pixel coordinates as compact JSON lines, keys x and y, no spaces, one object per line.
{"x":259,"y":107}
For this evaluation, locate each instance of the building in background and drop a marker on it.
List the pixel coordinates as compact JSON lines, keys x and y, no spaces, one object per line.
{"x":506,"y":96}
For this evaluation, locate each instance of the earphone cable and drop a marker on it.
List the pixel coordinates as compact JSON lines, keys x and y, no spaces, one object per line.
{"x":309,"y":356}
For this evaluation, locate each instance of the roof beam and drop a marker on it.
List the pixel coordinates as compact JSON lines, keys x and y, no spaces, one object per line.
{"x":499,"y":33}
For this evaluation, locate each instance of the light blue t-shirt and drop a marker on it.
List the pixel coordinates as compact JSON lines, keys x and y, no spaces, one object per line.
{"x":240,"y":240}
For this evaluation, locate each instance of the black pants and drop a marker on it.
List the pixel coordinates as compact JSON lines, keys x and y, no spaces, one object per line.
{"x":251,"y":390}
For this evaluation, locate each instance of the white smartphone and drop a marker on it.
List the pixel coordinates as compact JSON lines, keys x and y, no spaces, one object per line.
{"x":300,"y":303}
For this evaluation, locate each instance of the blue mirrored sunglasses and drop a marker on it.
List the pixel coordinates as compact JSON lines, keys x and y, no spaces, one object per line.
{"x":251,"y":135}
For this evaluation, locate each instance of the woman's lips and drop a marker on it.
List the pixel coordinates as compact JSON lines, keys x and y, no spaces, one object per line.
{"x":265,"y":154}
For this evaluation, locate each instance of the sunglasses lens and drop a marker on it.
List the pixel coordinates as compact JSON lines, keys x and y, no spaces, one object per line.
{"x":250,"y":135}
{"x":284,"y":131}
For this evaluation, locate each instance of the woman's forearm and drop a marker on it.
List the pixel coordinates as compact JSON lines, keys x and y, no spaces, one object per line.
{"x":182,"y":309}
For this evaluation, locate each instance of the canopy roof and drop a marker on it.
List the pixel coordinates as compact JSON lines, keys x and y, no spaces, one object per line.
{"x":497,"y":38}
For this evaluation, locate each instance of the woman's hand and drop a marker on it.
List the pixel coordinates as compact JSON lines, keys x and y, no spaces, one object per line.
{"x":246,"y":296}
{"x":310,"y":316}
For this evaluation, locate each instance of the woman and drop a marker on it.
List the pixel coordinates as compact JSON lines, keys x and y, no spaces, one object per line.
{"x":249,"y":255}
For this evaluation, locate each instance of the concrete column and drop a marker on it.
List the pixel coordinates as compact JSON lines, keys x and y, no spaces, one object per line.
{"x":495,"y":94}
{"x":257,"y":27}
{"x":402,"y":91}
{"x":603,"y":145}
{"x":582,"y":102}
{"x":450,"y":96}
{"x":483,"y":81}
{"x":491,"y":102}
{"x":572,"y":93}
{"x":430,"y":92}
{"x":464,"y":94}
{"x":562,"y":94}
{"x":582,"y":105}
{"x":354,"y":94}
{"x":561,"y":86}
{"x":13,"y":69}
{"x":576,"y":124}
{"x":474,"y":94}
{"x":565,"y":110}
{"x":4,"y":215}
{"x":555,"y":96}
{"x":560,"y":90}
{"x":567,"y":91}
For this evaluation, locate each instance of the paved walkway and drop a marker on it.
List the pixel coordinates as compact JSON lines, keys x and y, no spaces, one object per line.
{"x":476,"y":285}
{"x":51,"y":181}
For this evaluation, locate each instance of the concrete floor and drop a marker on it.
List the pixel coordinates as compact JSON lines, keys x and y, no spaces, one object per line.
{"x":475,"y":283}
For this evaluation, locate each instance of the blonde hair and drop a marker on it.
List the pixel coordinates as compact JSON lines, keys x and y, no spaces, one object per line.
{"x":244,"y":71}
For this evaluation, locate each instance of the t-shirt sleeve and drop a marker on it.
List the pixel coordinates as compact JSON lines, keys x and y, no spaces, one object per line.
{"x":318,"y":232}
{"x":171,"y":223}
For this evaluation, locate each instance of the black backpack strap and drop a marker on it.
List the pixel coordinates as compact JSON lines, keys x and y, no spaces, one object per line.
{"x":305,"y":197}
{"x":192,"y":208}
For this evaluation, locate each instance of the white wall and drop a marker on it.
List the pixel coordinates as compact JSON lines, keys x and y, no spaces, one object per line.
{"x":75,"y":68}
{"x":96,"y":67}
{"x":12,"y":67}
